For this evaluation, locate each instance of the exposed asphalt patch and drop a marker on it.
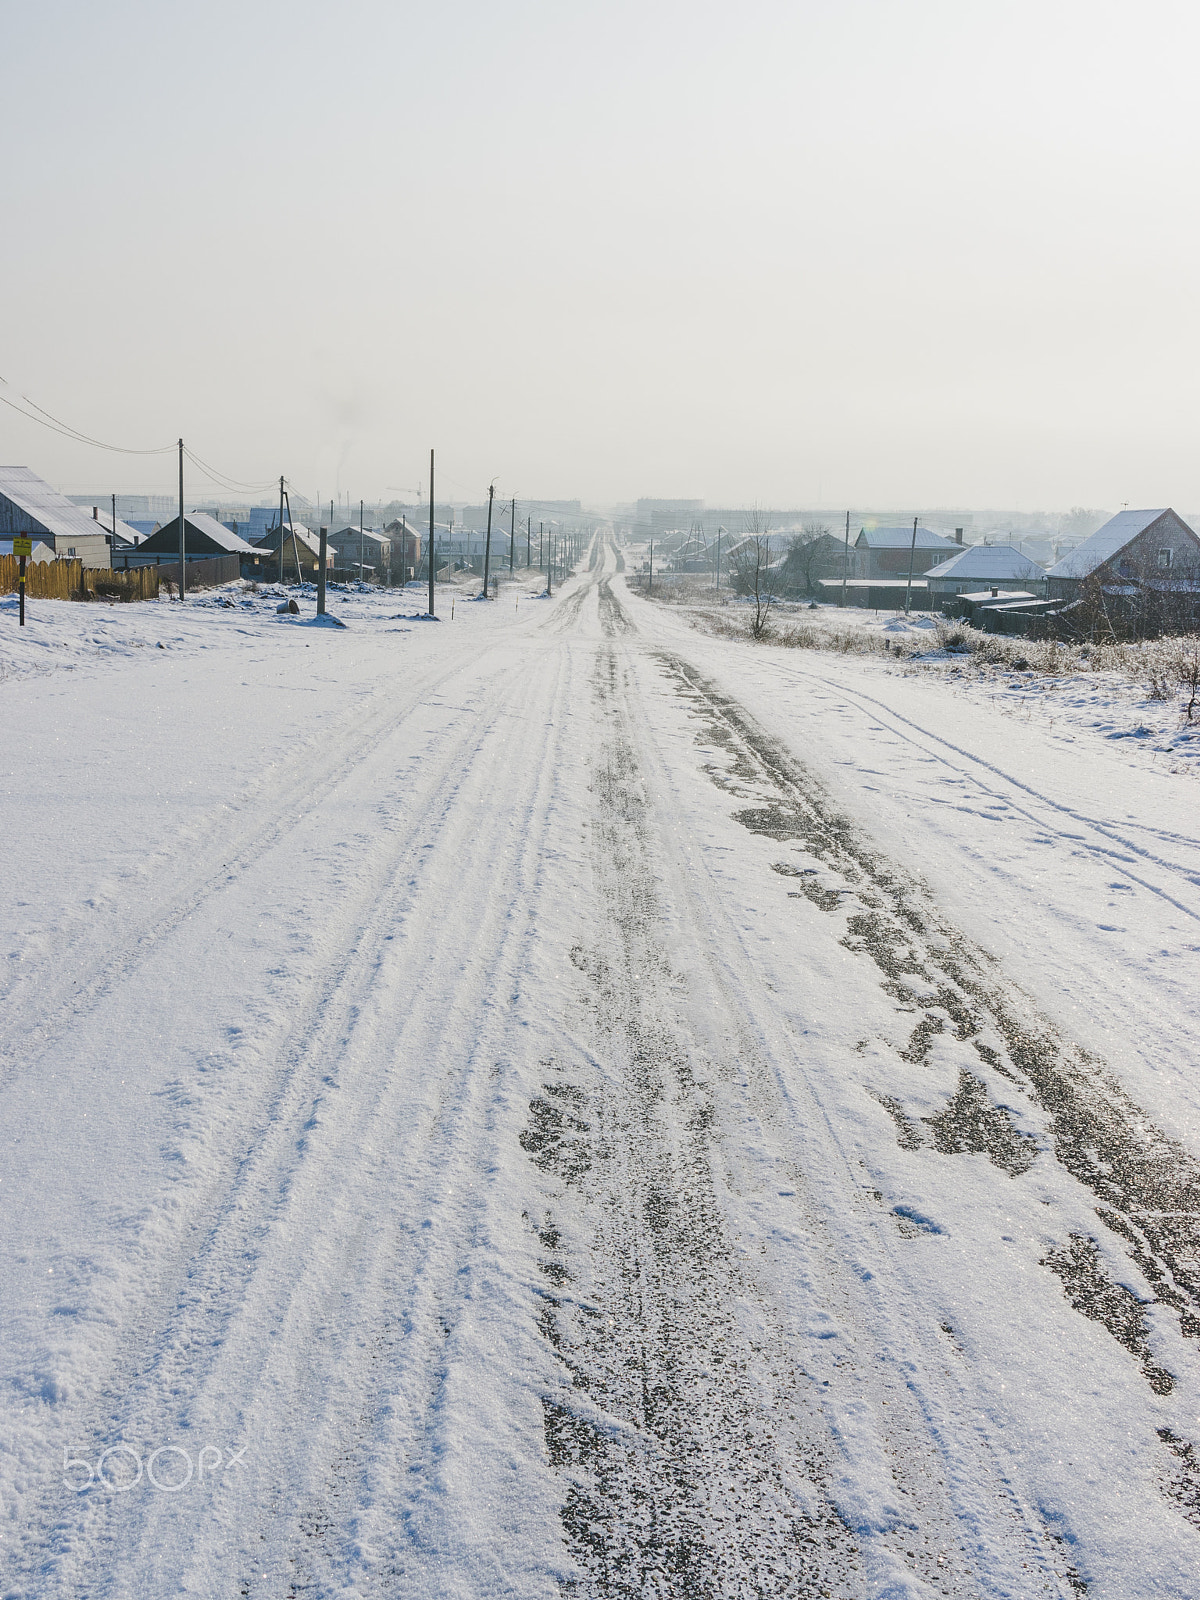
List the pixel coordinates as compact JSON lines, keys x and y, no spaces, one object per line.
{"x":1090,"y":1289}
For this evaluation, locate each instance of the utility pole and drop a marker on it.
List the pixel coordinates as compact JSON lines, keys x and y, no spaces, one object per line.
{"x":487,"y":548}
{"x":321,"y":572}
{"x":845,"y":561}
{"x":112,"y":560}
{"x":720,"y":531}
{"x":361,"y":564}
{"x":431,"y":610}
{"x":650,"y":585}
{"x":295,"y":546}
{"x":528,"y":540}
{"x":541,"y":544}
{"x":912,"y":556}
{"x":281,"y":533}
{"x":182,"y":537}
{"x":512,"y":536}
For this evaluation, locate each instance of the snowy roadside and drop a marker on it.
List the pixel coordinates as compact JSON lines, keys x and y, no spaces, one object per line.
{"x":64,"y":635}
{"x":1082,"y":694}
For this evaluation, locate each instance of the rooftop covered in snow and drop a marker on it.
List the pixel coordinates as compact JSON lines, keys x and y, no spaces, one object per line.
{"x":29,"y":505}
{"x":210,"y":532}
{"x":902,"y":538}
{"x":1116,"y":533}
{"x":987,"y":563}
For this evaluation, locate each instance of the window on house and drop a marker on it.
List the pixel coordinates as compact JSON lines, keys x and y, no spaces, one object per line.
{"x":71,"y":550}
{"x":1164,"y":558}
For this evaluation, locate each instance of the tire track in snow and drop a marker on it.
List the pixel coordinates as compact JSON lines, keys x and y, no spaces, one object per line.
{"x":1143,"y":1186}
{"x":932,"y":1433}
{"x":76,"y":978}
{"x":225,"y":1274}
{"x":1116,"y":852}
{"x":692,"y":1440}
{"x":426,"y":1338}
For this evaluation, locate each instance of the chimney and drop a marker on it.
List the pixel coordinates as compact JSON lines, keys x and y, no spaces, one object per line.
{"x":995,"y":594}
{"x":958,"y":535}
{"x":95,"y":513}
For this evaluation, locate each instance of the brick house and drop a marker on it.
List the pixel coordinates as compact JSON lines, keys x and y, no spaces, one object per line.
{"x":885,"y":552}
{"x":1140,"y":573}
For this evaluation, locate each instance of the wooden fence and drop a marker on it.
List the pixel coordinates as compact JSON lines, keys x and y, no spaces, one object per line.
{"x":208,"y":574}
{"x":44,"y":580}
{"x":101,"y":584}
{"x":71,"y":580}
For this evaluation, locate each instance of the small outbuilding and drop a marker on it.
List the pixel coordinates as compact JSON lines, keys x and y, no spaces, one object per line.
{"x":875,"y":594}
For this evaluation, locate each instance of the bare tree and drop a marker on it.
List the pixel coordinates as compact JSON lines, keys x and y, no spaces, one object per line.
{"x":753,"y":573}
{"x":810,"y":555}
{"x":1187,"y":665}
{"x":1134,"y":597}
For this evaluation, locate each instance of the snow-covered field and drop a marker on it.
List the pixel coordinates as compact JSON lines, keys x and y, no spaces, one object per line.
{"x":552,"y":1099}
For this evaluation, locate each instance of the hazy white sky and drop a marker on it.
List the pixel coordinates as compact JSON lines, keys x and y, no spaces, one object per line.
{"x":861,"y":252}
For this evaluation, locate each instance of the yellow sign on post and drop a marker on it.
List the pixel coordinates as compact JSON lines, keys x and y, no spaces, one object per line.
{"x":22,"y":546}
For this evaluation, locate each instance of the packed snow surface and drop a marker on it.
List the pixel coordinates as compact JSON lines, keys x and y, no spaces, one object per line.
{"x":555,"y":1102}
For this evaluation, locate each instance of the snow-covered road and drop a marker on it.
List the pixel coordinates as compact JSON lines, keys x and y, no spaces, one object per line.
{"x":553,"y":1102}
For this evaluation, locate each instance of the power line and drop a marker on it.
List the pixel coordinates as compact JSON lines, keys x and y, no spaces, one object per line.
{"x":81,"y":438}
{"x":223,"y":480}
{"x":46,"y":420}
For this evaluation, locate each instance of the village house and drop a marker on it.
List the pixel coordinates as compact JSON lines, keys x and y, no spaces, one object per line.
{"x":807,"y":560}
{"x":406,"y":550}
{"x":887,"y":552}
{"x":204,"y":538}
{"x":301,"y":547}
{"x":988,"y":567}
{"x":1139,"y":573}
{"x":28,"y":505}
{"x":355,"y":548}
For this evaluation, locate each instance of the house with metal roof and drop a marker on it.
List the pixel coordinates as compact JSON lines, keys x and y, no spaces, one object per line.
{"x":204,"y":538}
{"x":993,"y":568}
{"x":363,"y":548}
{"x":304,"y":550}
{"x":1139,"y":573}
{"x":125,"y":535}
{"x":29,"y":505}
{"x":886,"y":552}
{"x":1133,"y":546}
